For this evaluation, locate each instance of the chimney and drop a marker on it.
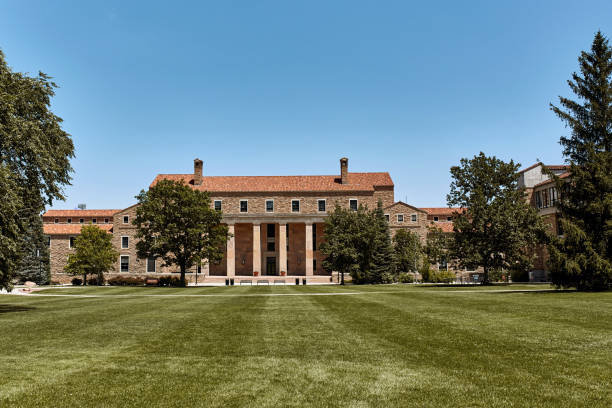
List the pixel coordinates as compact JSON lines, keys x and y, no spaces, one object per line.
{"x":197,"y":172}
{"x":344,"y":170}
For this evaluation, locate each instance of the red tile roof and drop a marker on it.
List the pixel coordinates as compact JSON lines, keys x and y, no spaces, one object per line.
{"x":237,"y":184}
{"x":70,"y":229}
{"x":80,"y":213}
{"x":445,"y":226}
{"x":444,"y":211}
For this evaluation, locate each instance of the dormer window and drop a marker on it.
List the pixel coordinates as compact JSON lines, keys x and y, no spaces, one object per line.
{"x":56,"y":221}
{"x":81,"y":220}
{"x":436,"y":219}
{"x":69,"y":220}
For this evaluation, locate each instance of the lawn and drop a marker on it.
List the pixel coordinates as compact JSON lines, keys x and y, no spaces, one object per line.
{"x":384,"y":346}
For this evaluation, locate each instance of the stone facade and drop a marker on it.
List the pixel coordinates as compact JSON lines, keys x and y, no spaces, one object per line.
{"x":272,"y":236}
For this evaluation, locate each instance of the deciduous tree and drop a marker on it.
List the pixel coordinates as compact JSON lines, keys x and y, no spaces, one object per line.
{"x":582,"y":257}
{"x":498,"y":224}
{"x":93,"y":254}
{"x":35,"y":155}
{"x":408,"y":250}
{"x":177,"y":224}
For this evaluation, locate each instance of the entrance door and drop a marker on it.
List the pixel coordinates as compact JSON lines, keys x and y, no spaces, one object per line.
{"x":270,"y":265}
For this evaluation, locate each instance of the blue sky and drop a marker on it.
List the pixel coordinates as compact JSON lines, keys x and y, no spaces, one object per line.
{"x":289,"y":87}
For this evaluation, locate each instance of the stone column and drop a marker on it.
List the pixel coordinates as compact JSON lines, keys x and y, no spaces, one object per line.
{"x":231,"y":253}
{"x":309,"y":254}
{"x":256,"y":249}
{"x":282,"y":248}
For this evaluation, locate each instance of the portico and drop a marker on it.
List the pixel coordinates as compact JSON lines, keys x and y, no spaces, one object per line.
{"x":283,"y":246}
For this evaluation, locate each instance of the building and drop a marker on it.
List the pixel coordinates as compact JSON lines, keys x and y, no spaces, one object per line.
{"x":276,"y":224}
{"x":542,"y":194}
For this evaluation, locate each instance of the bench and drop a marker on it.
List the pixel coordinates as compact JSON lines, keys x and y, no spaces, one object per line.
{"x":246,"y":282}
{"x":263,"y":282}
{"x":279,"y":281}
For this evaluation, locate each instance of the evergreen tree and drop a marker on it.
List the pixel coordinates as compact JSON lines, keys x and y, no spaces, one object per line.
{"x":177,"y":224}
{"x":498,"y":224}
{"x":34,"y":265}
{"x":339,"y":247}
{"x":94,"y":253}
{"x":408,"y":251}
{"x":582,"y":257}
{"x":383,"y":269}
{"x":34,"y":159}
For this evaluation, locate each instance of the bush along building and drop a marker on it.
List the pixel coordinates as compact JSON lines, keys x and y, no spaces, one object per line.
{"x":276,"y":225}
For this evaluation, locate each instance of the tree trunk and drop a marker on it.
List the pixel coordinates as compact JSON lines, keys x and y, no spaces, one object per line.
{"x":183,"y":269}
{"x":342,"y":278}
{"x":84,"y":279}
{"x":485,"y":280}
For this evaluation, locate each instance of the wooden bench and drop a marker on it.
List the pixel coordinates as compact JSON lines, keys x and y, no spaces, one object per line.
{"x":279,"y":281}
{"x":246,"y":282}
{"x":263,"y":282}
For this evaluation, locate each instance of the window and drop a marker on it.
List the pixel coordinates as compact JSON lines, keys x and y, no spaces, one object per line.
{"x":270,"y":235}
{"x":151,"y":264}
{"x":71,"y":242}
{"x":400,"y":217}
{"x":125,"y":242}
{"x":538,"y":199}
{"x":125,"y":263}
{"x":295,"y":205}
{"x":387,"y":217}
{"x":106,"y":220}
{"x":69,"y":220}
{"x":314,"y":237}
{"x":321,"y":205}
{"x":94,"y":221}
{"x":126,"y":219}
{"x":353,"y":204}
{"x":81,"y":220}
{"x":56,"y":221}
{"x":314,"y":266}
{"x":435,"y":218}
{"x":244,"y":206}
{"x":449,"y":218}
{"x":553,"y":196}
{"x":271,"y":231}
{"x":217,"y":205}
{"x":269,"y":205}
{"x":413,"y":218}
{"x":48,"y":241}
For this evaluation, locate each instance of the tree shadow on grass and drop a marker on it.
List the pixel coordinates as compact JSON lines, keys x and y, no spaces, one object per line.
{"x":534,"y":291}
{"x":14,"y":308}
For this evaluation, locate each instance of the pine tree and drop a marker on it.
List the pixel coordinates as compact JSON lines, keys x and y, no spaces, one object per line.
{"x":582,"y":257}
{"x":34,"y":265}
{"x":383,"y":269}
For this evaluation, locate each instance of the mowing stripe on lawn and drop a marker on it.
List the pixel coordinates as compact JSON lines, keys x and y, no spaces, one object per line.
{"x":283,"y":294}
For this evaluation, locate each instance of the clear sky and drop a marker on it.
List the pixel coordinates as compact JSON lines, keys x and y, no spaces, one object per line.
{"x":289,"y":87}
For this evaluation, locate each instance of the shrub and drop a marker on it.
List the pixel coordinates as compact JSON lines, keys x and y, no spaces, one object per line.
{"x":444,"y":277}
{"x":520,"y":276}
{"x":93,"y":281}
{"x":169,"y":281}
{"x":76,"y":281}
{"x":405,"y":277}
{"x":126,"y":281}
{"x":426,"y":273}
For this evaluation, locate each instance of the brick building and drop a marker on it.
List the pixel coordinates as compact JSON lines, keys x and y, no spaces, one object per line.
{"x":276,"y":224}
{"x":542,"y":194}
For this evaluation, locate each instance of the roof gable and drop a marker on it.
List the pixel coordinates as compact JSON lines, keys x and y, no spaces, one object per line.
{"x":403,"y":204}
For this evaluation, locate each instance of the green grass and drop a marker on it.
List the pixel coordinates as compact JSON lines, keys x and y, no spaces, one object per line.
{"x":387,"y":346}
